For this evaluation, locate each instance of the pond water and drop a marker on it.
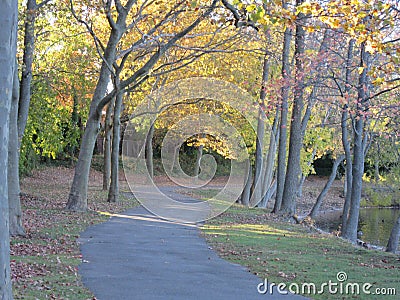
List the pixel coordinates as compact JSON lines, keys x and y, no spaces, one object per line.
{"x":374,"y":223}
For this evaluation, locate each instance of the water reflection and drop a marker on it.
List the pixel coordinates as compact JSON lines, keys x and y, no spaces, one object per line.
{"x":375,"y":224}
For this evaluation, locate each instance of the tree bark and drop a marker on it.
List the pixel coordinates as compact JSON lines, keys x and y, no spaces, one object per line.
{"x":257,"y":196}
{"x":350,"y":232}
{"x":8,"y":42}
{"x":281,"y":168}
{"x":107,"y":146}
{"x":293,"y":170}
{"x":257,"y":182}
{"x":77,"y":200}
{"x":247,"y":188}
{"x":198,"y":159}
{"x":149,"y":151}
{"x":116,"y":136}
{"x":14,"y":202}
{"x":345,"y":139}
{"x":393,"y":242}
{"x":27,"y":60}
{"x":268,"y":189}
{"x":321,"y":196}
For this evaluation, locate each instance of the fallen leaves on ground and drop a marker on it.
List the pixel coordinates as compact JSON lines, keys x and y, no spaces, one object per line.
{"x":44,"y":262}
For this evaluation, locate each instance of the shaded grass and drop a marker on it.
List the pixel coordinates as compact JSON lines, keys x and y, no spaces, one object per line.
{"x":45,"y":263}
{"x":283,"y":252}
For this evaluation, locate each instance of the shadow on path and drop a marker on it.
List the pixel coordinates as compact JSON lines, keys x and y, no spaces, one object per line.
{"x":136,"y":255}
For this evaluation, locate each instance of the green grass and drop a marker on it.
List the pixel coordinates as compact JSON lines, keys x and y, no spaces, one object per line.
{"x":283,"y":252}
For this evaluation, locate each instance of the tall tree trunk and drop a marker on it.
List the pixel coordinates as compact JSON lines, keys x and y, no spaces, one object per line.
{"x":27,"y":60}
{"x":149,"y":151}
{"x":245,"y":199}
{"x":268,"y":188}
{"x":281,"y":168}
{"x":256,"y":197}
{"x":258,"y":166}
{"x":8,"y":49}
{"x":293,"y":170}
{"x":345,"y":138}
{"x":107,"y":146}
{"x":116,"y":137}
{"x":393,"y":242}
{"x":321,"y":196}
{"x":198,"y":158}
{"x":358,"y":154}
{"x":18,"y":119}
{"x":14,"y":202}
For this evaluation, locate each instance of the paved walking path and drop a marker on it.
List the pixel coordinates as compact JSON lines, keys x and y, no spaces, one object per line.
{"x":137,"y":255}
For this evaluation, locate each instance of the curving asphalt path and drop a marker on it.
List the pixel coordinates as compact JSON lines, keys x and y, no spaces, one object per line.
{"x":137,"y":255}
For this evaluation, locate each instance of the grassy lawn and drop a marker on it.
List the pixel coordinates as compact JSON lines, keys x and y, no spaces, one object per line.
{"x":45,"y":263}
{"x":282,"y":252}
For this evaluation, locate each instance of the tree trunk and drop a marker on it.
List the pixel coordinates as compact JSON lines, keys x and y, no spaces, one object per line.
{"x":247,"y":188}
{"x":321,"y":196}
{"x":77,"y":200}
{"x":393,"y":242}
{"x":27,"y":60}
{"x":198,"y":159}
{"x":8,"y":42}
{"x":345,"y":139}
{"x":116,"y":137}
{"x":258,"y":167}
{"x":107,"y":147}
{"x":149,"y":151}
{"x":293,"y":170}
{"x":358,"y":155}
{"x":256,"y":197}
{"x":269,"y":164}
{"x":14,"y":202}
{"x":281,"y":168}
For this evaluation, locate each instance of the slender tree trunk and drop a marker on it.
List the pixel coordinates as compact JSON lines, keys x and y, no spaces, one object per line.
{"x":258,"y":167}
{"x":376,"y":163}
{"x":345,"y":139}
{"x":281,"y":168}
{"x":198,"y":159}
{"x":107,"y":146}
{"x":18,"y":119}
{"x":358,"y":162}
{"x":116,"y":136}
{"x":149,"y":151}
{"x":393,"y":242}
{"x":269,"y":164}
{"x":27,"y":60}
{"x":321,"y":196}
{"x":14,"y":202}
{"x":8,"y":49}
{"x":293,"y":170}
{"x":247,"y":188}
{"x":256,"y":197}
